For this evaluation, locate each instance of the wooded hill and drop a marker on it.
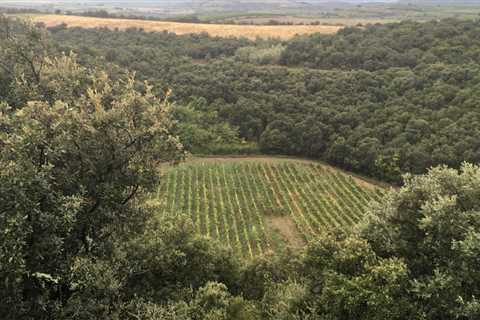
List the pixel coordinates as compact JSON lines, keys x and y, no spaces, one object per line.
{"x":381,"y":100}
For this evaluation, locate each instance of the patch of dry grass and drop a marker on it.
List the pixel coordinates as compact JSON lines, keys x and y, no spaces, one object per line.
{"x":249,"y":31}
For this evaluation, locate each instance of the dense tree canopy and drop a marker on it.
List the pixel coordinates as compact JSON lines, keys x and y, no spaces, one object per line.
{"x":403,"y":45}
{"x":379,"y":100}
{"x":433,"y":224}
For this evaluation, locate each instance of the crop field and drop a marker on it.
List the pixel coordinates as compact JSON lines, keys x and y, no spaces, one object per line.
{"x":221,"y":30}
{"x":257,"y":206}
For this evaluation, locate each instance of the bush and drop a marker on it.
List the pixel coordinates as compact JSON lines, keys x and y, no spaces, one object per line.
{"x":263,"y":56}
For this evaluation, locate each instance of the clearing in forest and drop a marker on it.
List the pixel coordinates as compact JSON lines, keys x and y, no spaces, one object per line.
{"x":256,"y":205}
{"x":220,"y":30}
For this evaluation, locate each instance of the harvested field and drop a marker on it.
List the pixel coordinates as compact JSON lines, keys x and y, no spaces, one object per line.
{"x":221,"y":30}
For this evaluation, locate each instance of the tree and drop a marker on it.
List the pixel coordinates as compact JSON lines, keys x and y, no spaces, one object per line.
{"x":340,"y":152}
{"x":24,"y":49}
{"x":167,"y":270}
{"x":201,"y":130}
{"x":70,"y":171}
{"x":214,"y":302}
{"x":433,"y":224}
{"x":348,"y":280}
{"x":275,"y":138}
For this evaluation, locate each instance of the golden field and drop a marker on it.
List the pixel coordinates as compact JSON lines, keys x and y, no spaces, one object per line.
{"x":221,"y":30}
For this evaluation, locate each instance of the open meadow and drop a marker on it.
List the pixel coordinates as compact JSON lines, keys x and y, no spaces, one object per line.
{"x":220,"y":30}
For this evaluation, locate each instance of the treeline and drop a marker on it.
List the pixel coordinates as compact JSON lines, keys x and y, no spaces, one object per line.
{"x":275,"y":22}
{"x":109,"y":15}
{"x":388,"y":99}
{"x":8,"y":10}
{"x":136,"y":41}
{"x":80,"y":146}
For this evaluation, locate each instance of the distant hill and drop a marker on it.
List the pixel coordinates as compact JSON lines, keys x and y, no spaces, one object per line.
{"x":329,"y":11}
{"x":440,"y":2}
{"x":222,"y":2}
{"x":188,"y":6}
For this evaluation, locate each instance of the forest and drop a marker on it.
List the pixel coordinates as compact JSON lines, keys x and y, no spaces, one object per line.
{"x":381,"y":100}
{"x":88,"y":116}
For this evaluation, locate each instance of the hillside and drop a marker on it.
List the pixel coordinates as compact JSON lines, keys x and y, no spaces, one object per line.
{"x":440,"y":2}
{"x":260,"y":204}
{"x":96,"y":223}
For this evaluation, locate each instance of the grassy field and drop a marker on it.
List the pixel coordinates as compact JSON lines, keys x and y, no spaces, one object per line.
{"x":261,"y":204}
{"x":251,"y":32}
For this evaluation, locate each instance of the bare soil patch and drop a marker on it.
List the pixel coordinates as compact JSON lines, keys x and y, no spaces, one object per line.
{"x":285,"y":226}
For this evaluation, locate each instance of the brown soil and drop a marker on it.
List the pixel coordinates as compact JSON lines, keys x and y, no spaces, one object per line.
{"x":285,"y":226}
{"x":363,"y":183}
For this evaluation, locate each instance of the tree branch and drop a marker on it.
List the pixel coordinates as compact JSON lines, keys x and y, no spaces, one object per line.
{"x":131,"y":195}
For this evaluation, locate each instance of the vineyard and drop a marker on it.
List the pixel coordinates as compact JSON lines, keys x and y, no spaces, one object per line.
{"x":249,"y":204}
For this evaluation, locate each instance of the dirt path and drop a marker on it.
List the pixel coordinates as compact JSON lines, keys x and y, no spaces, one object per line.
{"x":285,"y":226}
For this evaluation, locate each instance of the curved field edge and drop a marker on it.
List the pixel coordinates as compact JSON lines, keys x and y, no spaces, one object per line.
{"x":220,"y":30}
{"x":261,"y":204}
